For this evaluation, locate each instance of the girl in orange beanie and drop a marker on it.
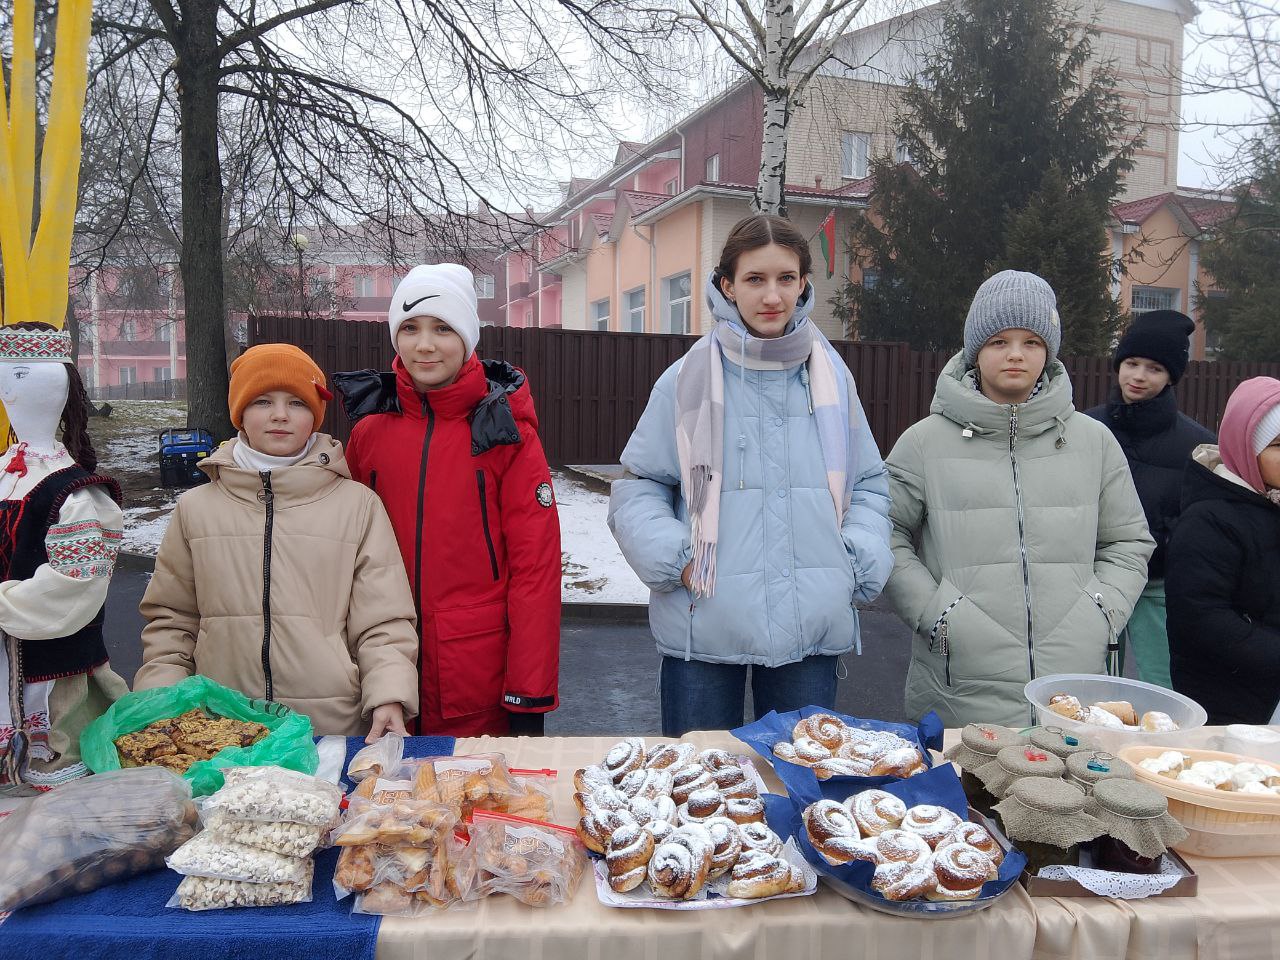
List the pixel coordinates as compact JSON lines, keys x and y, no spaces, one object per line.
{"x":282,"y":577}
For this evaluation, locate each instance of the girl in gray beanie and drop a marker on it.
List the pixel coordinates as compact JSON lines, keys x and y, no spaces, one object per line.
{"x":1019,"y":542}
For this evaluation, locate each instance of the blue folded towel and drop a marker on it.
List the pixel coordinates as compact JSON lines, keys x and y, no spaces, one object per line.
{"x":129,"y":919}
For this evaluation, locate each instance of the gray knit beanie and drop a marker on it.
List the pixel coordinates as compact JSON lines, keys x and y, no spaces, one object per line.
{"x":1012,"y":300}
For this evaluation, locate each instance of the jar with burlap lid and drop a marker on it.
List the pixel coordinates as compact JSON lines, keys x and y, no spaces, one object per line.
{"x":1059,"y":742}
{"x":1047,"y":820}
{"x":1085,"y":769}
{"x":978,"y":746}
{"x":1139,"y":827}
{"x":1015,"y":763}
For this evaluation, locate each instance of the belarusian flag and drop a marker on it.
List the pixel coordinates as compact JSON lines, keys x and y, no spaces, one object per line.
{"x":828,"y":230}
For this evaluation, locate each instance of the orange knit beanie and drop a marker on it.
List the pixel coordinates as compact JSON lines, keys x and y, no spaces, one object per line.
{"x":276,"y":366}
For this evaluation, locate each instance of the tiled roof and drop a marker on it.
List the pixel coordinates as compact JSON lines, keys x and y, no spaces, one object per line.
{"x":1205,"y":212}
{"x":642,"y":203}
{"x":603,"y":222}
{"x":1137,"y":211}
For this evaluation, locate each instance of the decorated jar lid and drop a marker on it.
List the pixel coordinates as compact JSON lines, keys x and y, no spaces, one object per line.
{"x":1061,"y":743}
{"x":1047,"y":810}
{"x":980,"y":742}
{"x":1087,"y":768}
{"x":1014,"y":763}
{"x":1137,"y":815}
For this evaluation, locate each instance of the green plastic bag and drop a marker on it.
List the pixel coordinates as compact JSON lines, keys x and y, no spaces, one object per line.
{"x":289,"y":744}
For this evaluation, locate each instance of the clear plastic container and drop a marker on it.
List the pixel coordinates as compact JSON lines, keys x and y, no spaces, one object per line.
{"x":1091,"y":688}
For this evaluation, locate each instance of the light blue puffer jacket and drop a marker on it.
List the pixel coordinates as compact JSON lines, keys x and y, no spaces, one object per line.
{"x":786,"y":578}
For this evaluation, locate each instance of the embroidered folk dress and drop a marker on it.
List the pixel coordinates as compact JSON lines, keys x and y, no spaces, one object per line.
{"x":60,"y":531}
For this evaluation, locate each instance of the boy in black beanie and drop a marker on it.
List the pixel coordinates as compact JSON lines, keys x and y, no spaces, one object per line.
{"x":1157,"y":439}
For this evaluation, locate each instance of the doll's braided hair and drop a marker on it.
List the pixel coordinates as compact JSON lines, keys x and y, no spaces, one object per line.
{"x":75,"y":415}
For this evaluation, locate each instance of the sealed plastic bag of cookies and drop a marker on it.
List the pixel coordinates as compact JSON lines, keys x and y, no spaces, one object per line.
{"x":537,"y":863}
{"x":378,"y":758}
{"x":404,"y":822}
{"x":463,"y":782}
{"x":274,"y":794}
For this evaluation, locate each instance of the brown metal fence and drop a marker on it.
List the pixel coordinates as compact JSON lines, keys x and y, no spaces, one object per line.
{"x":590,"y":388}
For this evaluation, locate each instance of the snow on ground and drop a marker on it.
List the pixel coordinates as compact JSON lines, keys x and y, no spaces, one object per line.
{"x":144,"y":527}
{"x":594,"y":571}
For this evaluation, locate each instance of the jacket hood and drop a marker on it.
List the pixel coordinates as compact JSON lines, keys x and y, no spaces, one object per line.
{"x":1209,"y":478}
{"x":958,"y":398}
{"x":310,"y":478}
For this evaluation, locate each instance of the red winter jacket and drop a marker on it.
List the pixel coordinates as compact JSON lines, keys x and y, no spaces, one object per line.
{"x":465,"y":481}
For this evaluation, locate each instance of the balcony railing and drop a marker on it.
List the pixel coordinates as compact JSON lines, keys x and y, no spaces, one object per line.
{"x":133,"y":348}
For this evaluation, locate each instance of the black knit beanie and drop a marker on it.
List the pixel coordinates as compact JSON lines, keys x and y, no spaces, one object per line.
{"x":1161,"y":335}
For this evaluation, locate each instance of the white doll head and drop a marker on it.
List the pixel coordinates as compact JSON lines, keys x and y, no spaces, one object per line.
{"x":41,"y":390}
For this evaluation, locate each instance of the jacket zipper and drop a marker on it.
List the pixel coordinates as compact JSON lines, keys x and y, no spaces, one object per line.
{"x":944,"y":647}
{"x":484,"y":522}
{"x":1113,"y":637}
{"x":1022,"y":538}
{"x":422,"y":510}
{"x":268,"y":500}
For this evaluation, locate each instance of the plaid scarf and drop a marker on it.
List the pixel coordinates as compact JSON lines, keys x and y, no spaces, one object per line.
{"x":700,"y":415}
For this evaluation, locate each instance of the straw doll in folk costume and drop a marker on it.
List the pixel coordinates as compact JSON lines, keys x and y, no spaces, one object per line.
{"x":60,"y":530}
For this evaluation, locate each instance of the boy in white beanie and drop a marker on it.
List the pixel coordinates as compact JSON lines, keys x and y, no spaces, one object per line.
{"x":450,"y":445}
{"x":1018,"y":540}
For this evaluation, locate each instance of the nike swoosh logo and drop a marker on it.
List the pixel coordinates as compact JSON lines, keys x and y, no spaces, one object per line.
{"x":409,"y":306}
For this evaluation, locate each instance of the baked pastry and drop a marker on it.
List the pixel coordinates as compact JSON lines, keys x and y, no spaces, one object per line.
{"x":758,"y":875}
{"x":758,"y":836}
{"x":785,"y":750}
{"x":1100,"y":717}
{"x":726,"y":845}
{"x":841,"y":767}
{"x":902,"y":846}
{"x":670,"y":755}
{"x":702,"y":805}
{"x":961,"y":870}
{"x":1154,"y":721}
{"x":627,"y":856}
{"x":660,"y":829}
{"x":597,"y":825}
{"x":900,"y":880}
{"x":824,"y":728}
{"x":680,"y":864}
{"x":590,"y":779}
{"x":713,"y":760}
{"x":1169,"y":764}
{"x":832,"y":831}
{"x":1122,"y":710}
{"x":810,"y":751}
{"x":744,"y":809}
{"x":976,"y":836}
{"x":689,"y":779}
{"x":649,"y":784}
{"x":876,"y":811}
{"x":901,"y":762}
{"x":624,"y":757}
{"x":930,"y":822}
{"x":1065,"y":705}
{"x":354,"y":869}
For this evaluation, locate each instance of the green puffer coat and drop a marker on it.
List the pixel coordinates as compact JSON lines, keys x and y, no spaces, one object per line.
{"x":1019,"y":546}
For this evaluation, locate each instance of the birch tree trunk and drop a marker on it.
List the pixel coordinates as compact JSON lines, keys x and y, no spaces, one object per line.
{"x":780,"y":28}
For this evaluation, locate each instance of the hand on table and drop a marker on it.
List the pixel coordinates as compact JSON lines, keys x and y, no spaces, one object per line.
{"x":388,"y":718}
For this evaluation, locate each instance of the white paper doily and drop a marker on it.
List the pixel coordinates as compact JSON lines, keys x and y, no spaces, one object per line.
{"x":1122,"y":886}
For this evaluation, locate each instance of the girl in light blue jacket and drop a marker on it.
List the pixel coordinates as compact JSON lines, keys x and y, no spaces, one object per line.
{"x":755,"y":504}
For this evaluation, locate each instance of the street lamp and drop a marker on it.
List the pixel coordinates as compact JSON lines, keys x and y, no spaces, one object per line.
{"x":300,"y":241}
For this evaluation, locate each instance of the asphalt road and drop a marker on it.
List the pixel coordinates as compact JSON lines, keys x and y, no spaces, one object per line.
{"x":608,"y":667}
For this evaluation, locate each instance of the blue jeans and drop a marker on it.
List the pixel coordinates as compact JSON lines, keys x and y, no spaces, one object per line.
{"x":713,"y":696}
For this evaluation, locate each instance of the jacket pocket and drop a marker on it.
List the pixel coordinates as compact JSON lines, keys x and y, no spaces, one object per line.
{"x":940,"y":639}
{"x":1113,"y":635}
{"x":472,"y":654}
{"x":484,"y":523}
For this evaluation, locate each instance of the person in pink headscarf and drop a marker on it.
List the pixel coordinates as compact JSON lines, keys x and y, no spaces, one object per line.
{"x":1222,"y":573}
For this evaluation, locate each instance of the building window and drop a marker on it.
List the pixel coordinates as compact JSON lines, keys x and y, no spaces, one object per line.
{"x":855,"y":155}
{"x":902,"y":152}
{"x":1145,"y":299}
{"x":633,"y":301}
{"x":713,"y":168}
{"x":870,"y":278}
{"x":484,"y":286}
{"x":164,"y":331}
{"x":365,"y":286}
{"x":160,"y":374}
{"x":673,"y":185}
{"x":128,"y":375}
{"x":86,"y":376}
{"x":128,"y":330}
{"x":679,"y":311}
{"x":600,"y":314}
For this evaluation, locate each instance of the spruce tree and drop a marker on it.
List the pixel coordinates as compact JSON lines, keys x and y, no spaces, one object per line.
{"x":1008,"y":96}
{"x":1243,"y":256}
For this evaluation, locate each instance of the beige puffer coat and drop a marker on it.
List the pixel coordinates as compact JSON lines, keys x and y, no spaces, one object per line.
{"x":342,"y":639}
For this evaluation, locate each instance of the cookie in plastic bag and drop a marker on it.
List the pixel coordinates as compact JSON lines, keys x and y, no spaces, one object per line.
{"x":537,"y":863}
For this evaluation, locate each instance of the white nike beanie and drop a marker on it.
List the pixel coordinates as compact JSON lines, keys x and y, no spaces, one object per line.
{"x":446,"y":291}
